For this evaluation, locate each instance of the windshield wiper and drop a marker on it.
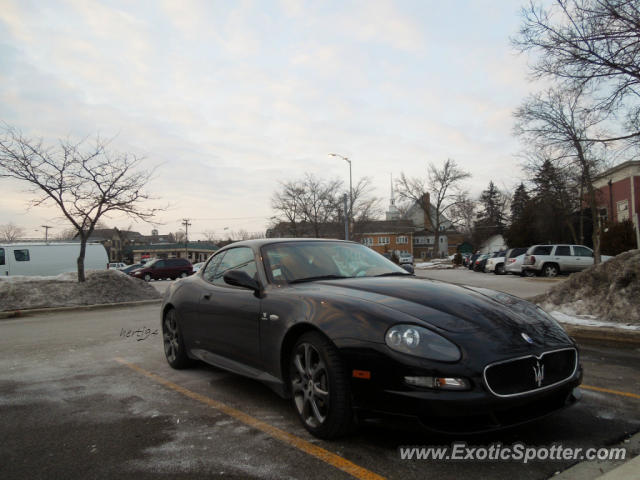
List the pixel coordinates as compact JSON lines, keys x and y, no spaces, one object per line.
{"x":393,"y":274}
{"x":319,"y":277}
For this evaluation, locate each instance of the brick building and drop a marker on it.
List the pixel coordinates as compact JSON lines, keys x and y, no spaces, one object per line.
{"x":618,"y":194}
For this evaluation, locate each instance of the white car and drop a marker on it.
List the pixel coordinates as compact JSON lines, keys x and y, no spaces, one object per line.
{"x":495,"y":264}
{"x":514,"y":265}
{"x":405,"y":258}
{"x":197,"y":266}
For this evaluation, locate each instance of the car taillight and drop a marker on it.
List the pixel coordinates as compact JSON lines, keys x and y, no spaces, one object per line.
{"x":512,"y":260}
{"x":531,"y":260}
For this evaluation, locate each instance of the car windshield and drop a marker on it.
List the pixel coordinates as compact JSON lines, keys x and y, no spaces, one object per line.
{"x":291,"y":262}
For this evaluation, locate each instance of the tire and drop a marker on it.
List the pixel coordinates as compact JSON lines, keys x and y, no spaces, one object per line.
{"x":320,"y":387}
{"x":174,"y":350}
{"x":550,"y":270}
{"x":147,"y":278}
{"x":183,"y":274}
{"x":530,"y":273}
{"x":499,"y":270}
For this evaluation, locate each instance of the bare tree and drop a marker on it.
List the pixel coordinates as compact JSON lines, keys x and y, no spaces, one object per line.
{"x":320,"y":200}
{"x":444,"y":186}
{"x":557,"y":121}
{"x":177,"y":237}
{"x":463,"y":214}
{"x":591,"y":44}
{"x":210,"y":236}
{"x":84,"y":182}
{"x":10,"y":232}
{"x":287,"y":202}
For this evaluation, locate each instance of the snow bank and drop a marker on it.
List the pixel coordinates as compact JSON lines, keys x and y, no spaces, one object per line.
{"x":436,"y":263}
{"x":589,"y":321}
{"x":102,"y":286}
{"x":609,"y":291}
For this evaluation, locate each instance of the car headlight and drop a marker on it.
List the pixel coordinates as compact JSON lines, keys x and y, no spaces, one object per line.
{"x":421,"y":342}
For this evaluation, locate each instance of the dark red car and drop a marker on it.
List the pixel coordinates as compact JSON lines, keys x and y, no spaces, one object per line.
{"x":164,"y":268}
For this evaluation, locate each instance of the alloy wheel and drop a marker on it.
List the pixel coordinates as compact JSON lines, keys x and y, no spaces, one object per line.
{"x":171,"y":337}
{"x":310,"y":385}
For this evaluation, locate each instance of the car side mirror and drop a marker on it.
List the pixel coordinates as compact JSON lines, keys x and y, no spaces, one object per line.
{"x":408,"y":267}
{"x":240,"y":278}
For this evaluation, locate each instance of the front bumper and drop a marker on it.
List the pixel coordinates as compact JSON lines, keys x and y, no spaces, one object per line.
{"x":475,"y":410}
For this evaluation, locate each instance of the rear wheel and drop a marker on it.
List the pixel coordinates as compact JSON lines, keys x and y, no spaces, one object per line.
{"x":320,"y":387}
{"x":183,"y":274}
{"x":499,"y":269}
{"x":529,"y":273}
{"x":550,"y":270}
{"x":174,"y":349}
{"x":147,"y":278}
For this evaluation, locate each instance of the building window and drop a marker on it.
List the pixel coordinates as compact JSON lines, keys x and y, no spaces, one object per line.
{"x":368,"y":241}
{"x":420,"y":240}
{"x":402,"y":240}
{"x":383,"y":240}
{"x":623,"y":210}
{"x":441,"y":239}
{"x":602,"y":216}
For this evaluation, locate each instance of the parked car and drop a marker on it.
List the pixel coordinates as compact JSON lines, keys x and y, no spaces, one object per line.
{"x":159,"y":269}
{"x":130,"y":268}
{"x":513,"y":260}
{"x":405,"y":257}
{"x":197,"y":266}
{"x":551,"y":260}
{"x":116,"y":265}
{"x":337,"y":328}
{"x":472,"y":261}
{"x":480,"y":262}
{"x":495,"y":263}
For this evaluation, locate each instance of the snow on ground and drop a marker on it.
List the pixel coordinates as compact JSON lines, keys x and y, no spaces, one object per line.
{"x":436,"y":263}
{"x":609,"y":292}
{"x":102,"y":286}
{"x":590,"y":321}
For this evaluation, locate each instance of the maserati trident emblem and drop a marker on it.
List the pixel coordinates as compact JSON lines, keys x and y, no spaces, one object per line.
{"x":538,"y":373}
{"x":526,"y":338}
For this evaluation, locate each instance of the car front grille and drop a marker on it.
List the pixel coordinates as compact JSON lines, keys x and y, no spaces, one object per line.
{"x":531,"y":373}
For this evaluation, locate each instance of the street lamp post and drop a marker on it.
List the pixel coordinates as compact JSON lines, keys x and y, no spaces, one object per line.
{"x":350,"y":213}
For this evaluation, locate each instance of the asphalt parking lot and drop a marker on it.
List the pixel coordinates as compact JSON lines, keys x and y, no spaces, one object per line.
{"x":81,"y":399}
{"x":522,"y":287}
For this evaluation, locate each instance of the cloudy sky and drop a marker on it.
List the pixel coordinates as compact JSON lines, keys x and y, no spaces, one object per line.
{"x":228,"y":97}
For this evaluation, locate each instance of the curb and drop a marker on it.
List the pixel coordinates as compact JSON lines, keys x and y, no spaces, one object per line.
{"x":99,"y":306}
{"x":603,"y":335}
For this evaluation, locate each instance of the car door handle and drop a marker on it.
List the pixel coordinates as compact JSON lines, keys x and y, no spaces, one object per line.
{"x":206,"y":296}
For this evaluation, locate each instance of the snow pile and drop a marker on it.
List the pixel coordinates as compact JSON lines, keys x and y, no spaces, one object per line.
{"x":609,"y":291}
{"x":102,"y":286}
{"x":570,"y":318}
{"x":435,"y":264}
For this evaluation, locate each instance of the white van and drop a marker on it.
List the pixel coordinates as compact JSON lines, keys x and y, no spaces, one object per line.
{"x":49,"y":259}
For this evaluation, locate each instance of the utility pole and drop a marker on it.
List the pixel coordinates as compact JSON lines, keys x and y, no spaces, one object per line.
{"x":346,"y":218}
{"x":46,"y":232}
{"x":186,"y":224}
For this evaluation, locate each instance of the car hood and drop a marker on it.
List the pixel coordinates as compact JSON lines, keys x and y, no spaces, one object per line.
{"x":446,"y":306}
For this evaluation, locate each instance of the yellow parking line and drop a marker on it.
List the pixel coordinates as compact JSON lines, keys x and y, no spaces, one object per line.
{"x":614,"y":392}
{"x":320,"y":453}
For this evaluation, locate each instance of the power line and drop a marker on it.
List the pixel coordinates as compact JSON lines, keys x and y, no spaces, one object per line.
{"x":186,"y":223}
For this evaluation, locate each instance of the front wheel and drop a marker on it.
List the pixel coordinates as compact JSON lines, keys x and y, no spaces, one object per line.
{"x":499,"y":269}
{"x":174,"y":349}
{"x":147,"y":278}
{"x":183,"y":274}
{"x":320,"y":387}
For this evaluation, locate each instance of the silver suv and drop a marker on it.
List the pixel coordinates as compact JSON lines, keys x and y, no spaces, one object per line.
{"x":550,"y":260}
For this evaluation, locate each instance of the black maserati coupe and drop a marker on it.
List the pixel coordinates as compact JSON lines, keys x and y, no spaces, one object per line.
{"x":347,"y":335}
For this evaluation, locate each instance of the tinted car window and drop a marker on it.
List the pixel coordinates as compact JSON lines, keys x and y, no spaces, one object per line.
{"x":210,"y":269}
{"x":543,"y":250}
{"x":240,"y":258}
{"x":287,"y":262}
{"x":582,"y":252}
{"x":563,"y":251}
{"x":21,"y":255}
